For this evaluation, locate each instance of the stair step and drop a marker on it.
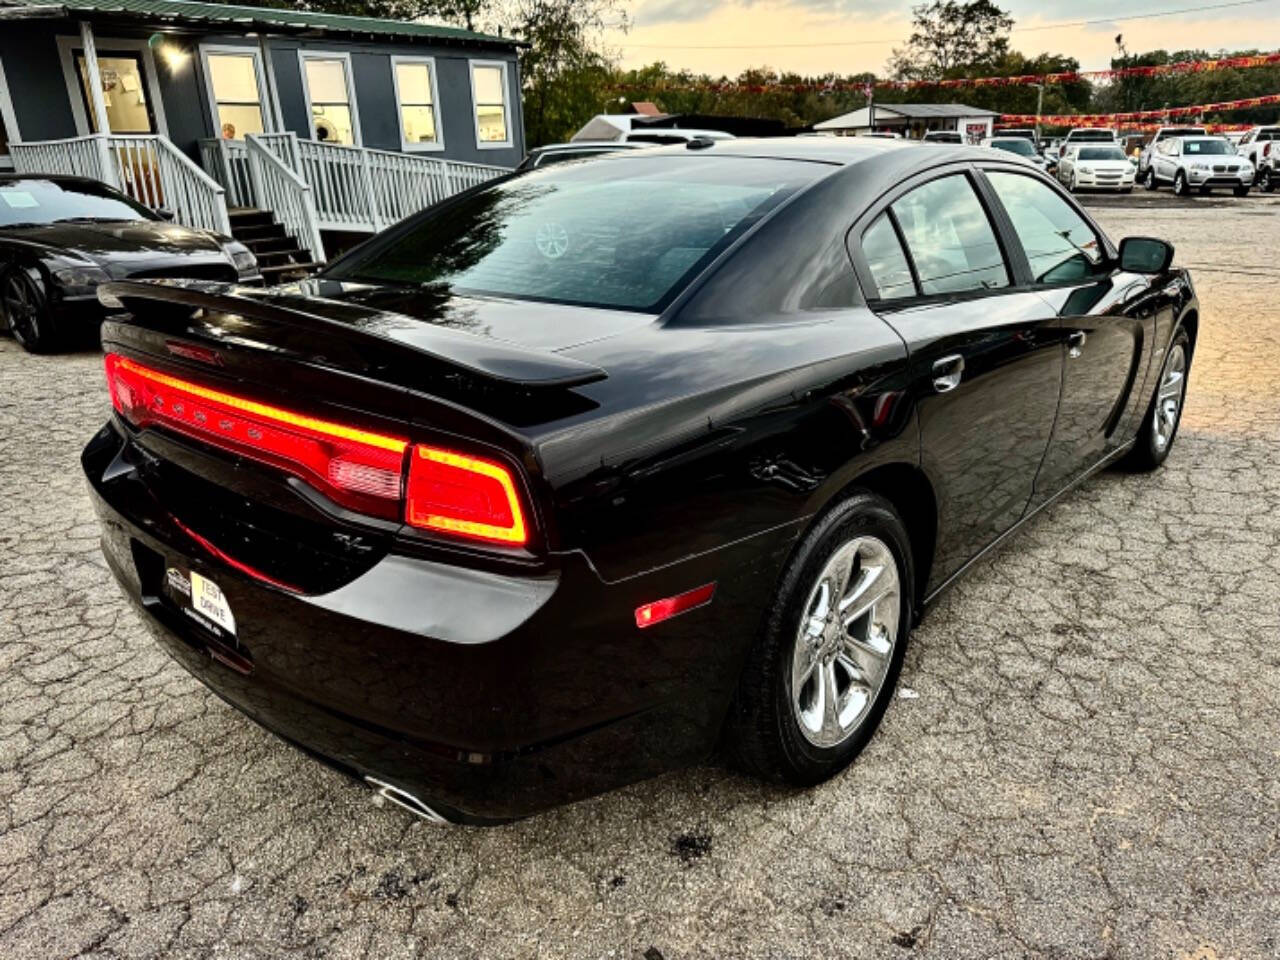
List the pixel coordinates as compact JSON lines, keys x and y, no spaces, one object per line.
{"x":289,"y":270}
{"x":271,"y":258}
{"x":257,"y":231}
{"x":249,"y":216}
{"x":270,"y":244}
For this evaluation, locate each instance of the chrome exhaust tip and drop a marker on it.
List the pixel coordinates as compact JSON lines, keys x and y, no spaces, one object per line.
{"x":405,"y":799}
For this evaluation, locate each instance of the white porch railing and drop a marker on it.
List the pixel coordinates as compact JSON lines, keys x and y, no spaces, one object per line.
{"x":147,"y":167}
{"x":285,"y":194}
{"x":353,"y":188}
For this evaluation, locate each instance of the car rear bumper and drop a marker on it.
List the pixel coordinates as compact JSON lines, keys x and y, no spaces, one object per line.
{"x":487,"y":696}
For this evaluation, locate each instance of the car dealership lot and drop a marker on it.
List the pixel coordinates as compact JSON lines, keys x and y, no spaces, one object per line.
{"x":1087,"y":766}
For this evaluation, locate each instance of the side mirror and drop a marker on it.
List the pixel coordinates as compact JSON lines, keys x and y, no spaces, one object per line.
{"x":1145,"y":255}
{"x":165,"y":213}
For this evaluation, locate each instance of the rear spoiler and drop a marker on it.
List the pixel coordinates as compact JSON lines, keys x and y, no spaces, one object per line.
{"x":478,"y":356}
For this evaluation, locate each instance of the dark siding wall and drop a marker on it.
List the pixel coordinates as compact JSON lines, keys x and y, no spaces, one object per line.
{"x":34,"y":72}
{"x":375,"y":95}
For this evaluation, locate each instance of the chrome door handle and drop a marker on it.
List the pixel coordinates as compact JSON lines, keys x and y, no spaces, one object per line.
{"x":946,"y":373}
{"x":1075,"y":343}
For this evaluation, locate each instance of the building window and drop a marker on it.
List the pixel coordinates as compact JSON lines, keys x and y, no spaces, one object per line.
{"x":124,"y":92}
{"x":330,"y":102}
{"x":415,"y":83}
{"x":235,"y":91}
{"x":489,"y":93}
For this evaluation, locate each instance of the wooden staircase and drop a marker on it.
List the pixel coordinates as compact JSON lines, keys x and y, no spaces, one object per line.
{"x":280,"y":258}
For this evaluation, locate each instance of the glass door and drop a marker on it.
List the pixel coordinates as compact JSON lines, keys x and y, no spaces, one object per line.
{"x":124,"y":91}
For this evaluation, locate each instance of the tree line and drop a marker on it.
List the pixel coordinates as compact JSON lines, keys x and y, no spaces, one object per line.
{"x":570,"y":73}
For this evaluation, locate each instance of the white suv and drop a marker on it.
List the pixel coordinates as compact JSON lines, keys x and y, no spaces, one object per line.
{"x":1164,"y":133}
{"x":1200,"y":163}
{"x":1261,"y":147}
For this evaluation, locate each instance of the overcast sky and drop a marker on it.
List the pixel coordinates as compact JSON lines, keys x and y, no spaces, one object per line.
{"x":776,"y":33}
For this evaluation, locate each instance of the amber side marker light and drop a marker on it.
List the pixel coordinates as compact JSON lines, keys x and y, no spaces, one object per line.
{"x":660,"y":610}
{"x":463,"y":495}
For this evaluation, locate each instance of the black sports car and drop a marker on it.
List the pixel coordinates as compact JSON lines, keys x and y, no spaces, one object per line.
{"x":581,"y":473}
{"x":60,"y":237}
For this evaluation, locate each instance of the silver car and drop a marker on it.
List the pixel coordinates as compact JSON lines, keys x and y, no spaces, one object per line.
{"x":1199,"y":163}
{"x":1164,"y":133}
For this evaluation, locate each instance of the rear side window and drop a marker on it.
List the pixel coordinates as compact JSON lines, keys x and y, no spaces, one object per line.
{"x":887,"y":261}
{"x":950,"y":239}
{"x":1059,"y":244}
{"x":629,"y":233}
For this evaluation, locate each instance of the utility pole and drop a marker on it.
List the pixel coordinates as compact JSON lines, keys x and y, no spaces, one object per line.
{"x":1039,"y":108}
{"x":870,"y":90}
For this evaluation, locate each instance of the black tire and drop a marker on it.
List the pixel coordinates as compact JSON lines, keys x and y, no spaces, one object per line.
{"x":763,"y":733}
{"x":1148,"y":452}
{"x":1268,"y":180}
{"x":1150,"y":181}
{"x":1180,"y":186}
{"x":1240,"y":191}
{"x":26,"y":310}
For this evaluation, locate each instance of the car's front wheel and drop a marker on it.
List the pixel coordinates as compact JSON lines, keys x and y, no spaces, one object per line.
{"x":26,"y":310}
{"x":824,"y":667}
{"x":1240,"y":191}
{"x":1164,"y":415}
{"x":1150,"y":181}
{"x":1180,"y":186}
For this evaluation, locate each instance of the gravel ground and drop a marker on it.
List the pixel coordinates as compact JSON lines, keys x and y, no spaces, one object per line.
{"x":1089,"y":768}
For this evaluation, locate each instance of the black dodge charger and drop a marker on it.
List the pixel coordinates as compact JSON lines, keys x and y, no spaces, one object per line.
{"x":60,"y":237}
{"x":582,"y":473}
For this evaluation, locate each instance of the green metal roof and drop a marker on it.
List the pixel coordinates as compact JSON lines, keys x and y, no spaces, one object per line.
{"x":245,"y":17}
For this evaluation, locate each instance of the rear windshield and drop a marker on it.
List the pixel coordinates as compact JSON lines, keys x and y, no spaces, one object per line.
{"x":1210,"y":148}
{"x":625,"y":232}
{"x":1019,"y":146}
{"x":1101,"y":153}
{"x":39,"y":202}
{"x":1091,"y":136}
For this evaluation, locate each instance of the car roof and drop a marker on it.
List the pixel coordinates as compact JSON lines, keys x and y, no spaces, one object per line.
{"x":590,"y":145}
{"x":8,"y":177}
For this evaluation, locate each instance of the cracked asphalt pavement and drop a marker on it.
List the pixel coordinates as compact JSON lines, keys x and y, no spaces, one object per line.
{"x":1087,"y":766}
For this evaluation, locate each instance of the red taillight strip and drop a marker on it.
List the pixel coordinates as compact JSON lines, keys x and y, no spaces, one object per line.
{"x":447,"y":492}
{"x":358,"y":468}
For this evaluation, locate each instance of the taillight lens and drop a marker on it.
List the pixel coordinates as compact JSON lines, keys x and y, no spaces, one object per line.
{"x":463,"y":495}
{"x":356,"y":468}
{"x":446,"y":491}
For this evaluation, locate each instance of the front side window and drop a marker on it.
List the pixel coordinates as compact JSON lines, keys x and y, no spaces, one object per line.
{"x":950,"y":239}
{"x":329,"y":96}
{"x":237,"y":101}
{"x":489,"y":87}
{"x":887,"y":261}
{"x":416,"y":96}
{"x":628,"y":233}
{"x":1059,"y":244}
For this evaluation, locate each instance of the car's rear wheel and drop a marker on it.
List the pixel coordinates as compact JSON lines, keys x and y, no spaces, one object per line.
{"x":824,"y":667}
{"x":1164,"y":415}
{"x":1268,"y":180}
{"x":26,"y":310}
{"x":1180,"y":186}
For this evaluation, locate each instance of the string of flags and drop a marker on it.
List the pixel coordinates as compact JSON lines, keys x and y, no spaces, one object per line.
{"x":1111,"y":119}
{"x":831,"y":86}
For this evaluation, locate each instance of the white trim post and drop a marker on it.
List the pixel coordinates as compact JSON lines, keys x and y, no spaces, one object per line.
{"x":93,"y":79}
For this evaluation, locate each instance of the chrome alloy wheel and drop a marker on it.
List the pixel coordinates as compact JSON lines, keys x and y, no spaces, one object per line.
{"x":845,"y":641}
{"x":1173,"y":388}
